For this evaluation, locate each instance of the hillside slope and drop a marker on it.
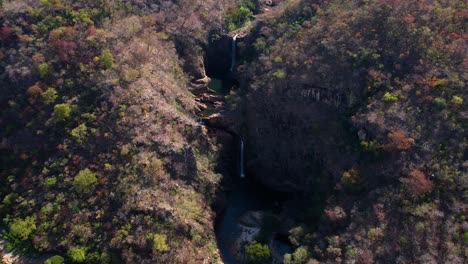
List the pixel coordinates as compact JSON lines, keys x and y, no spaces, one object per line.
{"x":101,"y":153}
{"x":373,"y":95}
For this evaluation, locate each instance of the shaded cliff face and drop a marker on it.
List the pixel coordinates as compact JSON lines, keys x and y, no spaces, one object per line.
{"x":292,"y":136}
{"x":364,"y":92}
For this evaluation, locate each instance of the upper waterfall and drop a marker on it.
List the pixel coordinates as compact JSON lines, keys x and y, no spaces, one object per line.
{"x":233,"y":52}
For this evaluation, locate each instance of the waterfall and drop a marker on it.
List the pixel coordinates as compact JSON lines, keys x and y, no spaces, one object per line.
{"x":233,"y":55}
{"x":242,"y":158}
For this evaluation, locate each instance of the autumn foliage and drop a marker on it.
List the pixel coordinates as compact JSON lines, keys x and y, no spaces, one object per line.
{"x":34,"y":92}
{"x":417,"y":182}
{"x":398,"y":141}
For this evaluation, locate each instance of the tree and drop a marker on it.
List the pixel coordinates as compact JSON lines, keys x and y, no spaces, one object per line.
{"x":389,"y":97}
{"x":398,"y":141}
{"x":237,"y":17}
{"x":77,"y":254}
{"x":43,"y":69}
{"x":107,"y":59}
{"x":280,"y":74}
{"x":84,"y":181}
{"x":61,"y":112}
{"x":457,"y":100}
{"x":439,"y":103}
{"x":159,"y":242}
{"x":257,"y":252}
{"x":49,"y":96}
{"x":55,"y":260}
{"x":23,"y":228}
{"x":34,"y":92}
{"x":79,"y":133}
{"x":417,"y":183}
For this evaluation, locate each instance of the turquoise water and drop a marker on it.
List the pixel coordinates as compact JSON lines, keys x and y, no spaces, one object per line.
{"x":221,"y":86}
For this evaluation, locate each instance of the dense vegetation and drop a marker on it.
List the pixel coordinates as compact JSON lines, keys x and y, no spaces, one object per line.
{"x":357,"y":107}
{"x":392,"y":74}
{"x":101,"y":155}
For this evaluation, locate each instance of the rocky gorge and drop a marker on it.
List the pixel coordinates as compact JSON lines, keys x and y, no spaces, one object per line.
{"x":234,"y":132}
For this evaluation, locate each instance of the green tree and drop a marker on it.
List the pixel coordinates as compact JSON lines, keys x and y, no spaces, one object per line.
{"x":159,"y":242}
{"x":107,"y":59}
{"x":84,"y":181}
{"x":79,"y":133}
{"x":257,"y":252}
{"x":23,"y":228}
{"x":237,"y":17}
{"x":280,"y":74}
{"x":389,"y":97}
{"x":55,"y":260}
{"x":457,"y":100}
{"x":49,"y":96}
{"x":43,"y":69}
{"x":61,"y":112}
{"x":77,"y":254}
{"x":439,"y":103}
{"x":300,"y":255}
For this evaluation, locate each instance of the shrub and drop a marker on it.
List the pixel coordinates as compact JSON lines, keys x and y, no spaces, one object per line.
{"x":131,"y":75}
{"x":84,"y":181}
{"x":300,"y":255}
{"x":107,"y":59}
{"x":43,"y":69}
{"x":155,"y":167}
{"x":465,"y":238}
{"x":257,"y":252}
{"x":352,"y":178}
{"x":50,"y":181}
{"x":419,"y":227}
{"x":54,"y":260}
{"x":79,"y":133}
{"x":159,"y":242}
{"x":23,"y":228}
{"x":260,"y":45}
{"x":350,"y":252}
{"x":457,"y":100}
{"x":375,"y":233}
{"x":439,"y":103}
{"x":280,"y":74}
{"x":49,"y":96}
{"x":77,"y":254}
{"x":296,"y":234}
{"x":237,"y":17}
{"x":370,"y":146}
{"x":389,"y":97}
{"x":61,"y":112}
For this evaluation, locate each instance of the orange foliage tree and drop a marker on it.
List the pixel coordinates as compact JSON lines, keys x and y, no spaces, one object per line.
{"x":417,"y":182}
{"x":398,"y":141}
{"x":34,"y":92}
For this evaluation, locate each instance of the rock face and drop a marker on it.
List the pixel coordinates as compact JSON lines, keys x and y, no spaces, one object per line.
{"x":292,"y":135}
{"x":348,"y":102}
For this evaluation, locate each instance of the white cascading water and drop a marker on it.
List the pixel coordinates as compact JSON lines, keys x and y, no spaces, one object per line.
{"x":233,"y":55}
{"x":242,"y":175}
